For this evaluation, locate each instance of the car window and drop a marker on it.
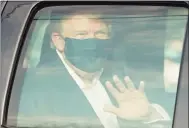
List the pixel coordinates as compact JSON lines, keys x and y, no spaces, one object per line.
{"x":99,"y":66}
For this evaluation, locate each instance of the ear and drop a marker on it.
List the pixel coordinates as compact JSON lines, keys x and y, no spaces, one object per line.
{"x":58,"y":41}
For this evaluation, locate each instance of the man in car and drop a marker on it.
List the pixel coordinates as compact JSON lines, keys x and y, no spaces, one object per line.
{"x":81,"y":42}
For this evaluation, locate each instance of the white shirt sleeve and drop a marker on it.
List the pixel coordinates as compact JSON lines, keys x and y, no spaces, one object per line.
{"x":162,"y":112}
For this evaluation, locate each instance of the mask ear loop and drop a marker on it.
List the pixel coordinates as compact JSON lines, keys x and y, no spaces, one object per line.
{"x":65,"y":48}
{"x":60,"y":53}
{"x":61,"y":38}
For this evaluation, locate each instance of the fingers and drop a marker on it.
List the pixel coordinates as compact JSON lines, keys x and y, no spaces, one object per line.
{"x":121,"y":87}
{"x":119,"y":84}
{"x":112,"y":90}
{"x":112,"y":109}
{"x":141,"y":86}
{"x":129,"y":83}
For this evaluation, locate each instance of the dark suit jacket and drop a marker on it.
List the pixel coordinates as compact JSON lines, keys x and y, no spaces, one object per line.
{"x":50,"y":91}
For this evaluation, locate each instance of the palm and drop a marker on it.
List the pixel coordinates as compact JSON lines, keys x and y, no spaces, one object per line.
{"x":132,"y":102}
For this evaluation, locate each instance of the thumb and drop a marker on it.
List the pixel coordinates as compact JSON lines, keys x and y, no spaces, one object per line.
{"x":111,"y":109}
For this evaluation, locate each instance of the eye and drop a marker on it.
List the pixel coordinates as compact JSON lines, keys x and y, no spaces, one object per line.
{"x":81,"y":35}
{"x":102,"y":35}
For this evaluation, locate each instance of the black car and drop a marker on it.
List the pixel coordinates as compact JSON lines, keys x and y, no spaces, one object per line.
{"x":147,"y":41}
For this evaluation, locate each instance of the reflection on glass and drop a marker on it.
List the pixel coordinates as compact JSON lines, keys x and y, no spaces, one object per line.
{"x":172,"y":65}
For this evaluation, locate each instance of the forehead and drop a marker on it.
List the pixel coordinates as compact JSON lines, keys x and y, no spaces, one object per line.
{"x":83,"y":21}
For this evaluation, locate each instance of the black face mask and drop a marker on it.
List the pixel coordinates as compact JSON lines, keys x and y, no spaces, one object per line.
{"x":87,"y":54}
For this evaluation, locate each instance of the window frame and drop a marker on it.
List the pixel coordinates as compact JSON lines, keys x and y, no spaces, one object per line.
{"x":32,"y":10}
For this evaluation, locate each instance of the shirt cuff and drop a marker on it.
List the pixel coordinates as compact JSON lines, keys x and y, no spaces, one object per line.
{"x":163,"y":115}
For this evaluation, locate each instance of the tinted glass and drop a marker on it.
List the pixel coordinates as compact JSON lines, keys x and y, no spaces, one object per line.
{"x":99,"y":66}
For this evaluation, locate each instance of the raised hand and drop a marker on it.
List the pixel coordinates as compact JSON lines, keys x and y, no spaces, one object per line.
{"x":133,"y":103}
